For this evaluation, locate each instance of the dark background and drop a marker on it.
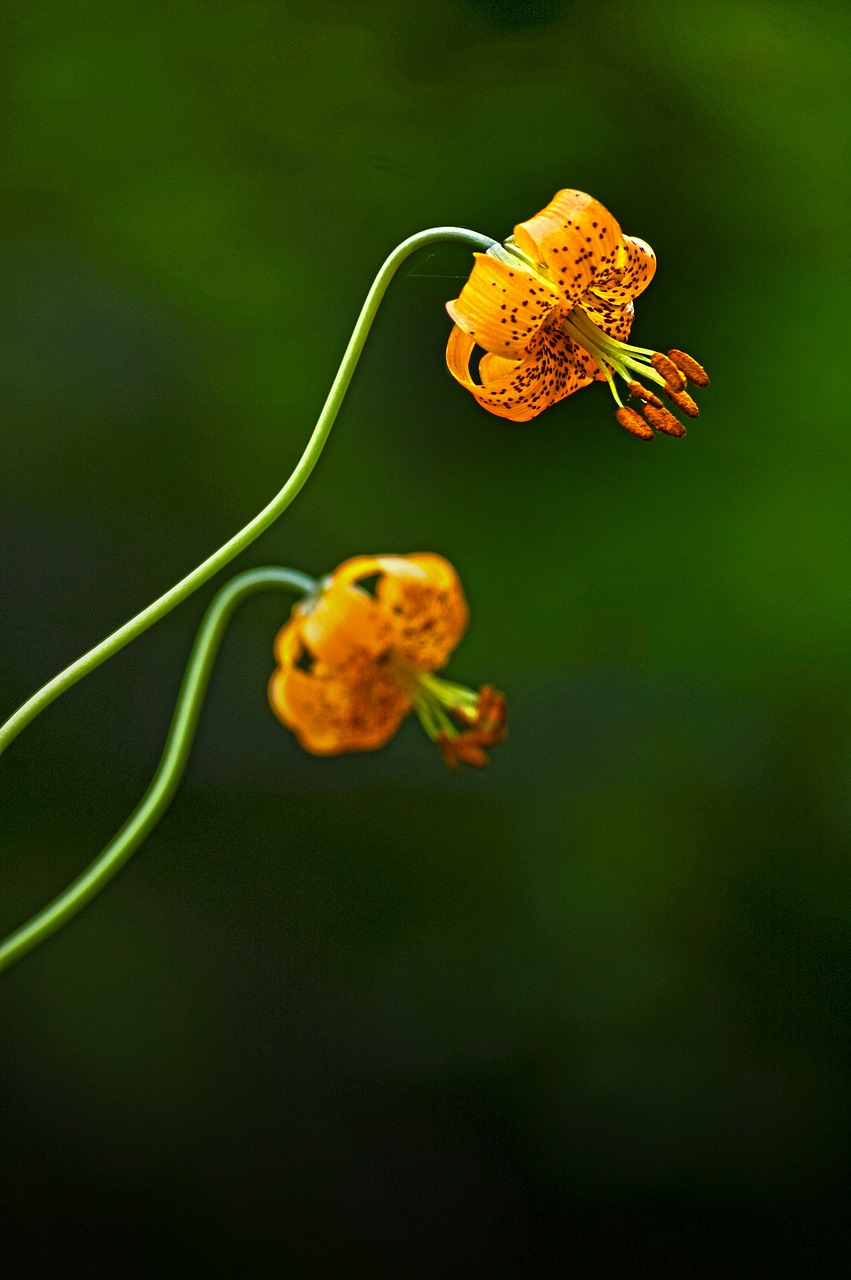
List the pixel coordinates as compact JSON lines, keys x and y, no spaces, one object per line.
{"x":584,"y":1014}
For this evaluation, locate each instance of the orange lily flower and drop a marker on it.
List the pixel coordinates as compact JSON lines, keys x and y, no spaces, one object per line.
{"x":552,"y":308}
{"x":356,"y":657}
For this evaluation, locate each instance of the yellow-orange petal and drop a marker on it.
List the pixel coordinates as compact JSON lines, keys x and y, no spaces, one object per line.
{"x":614,"y":318}
{"x":502,"y":306}
{"x":554,"y":368}
{"x":494,"y":368}
{"x":631,"y":274}
{"x":358,"y":707}
{"x":576,"y":238}
{"x":288,"y":648}
{"x":344,"y":622}
{"x":351,"y":571}
{"x":425,"y":602}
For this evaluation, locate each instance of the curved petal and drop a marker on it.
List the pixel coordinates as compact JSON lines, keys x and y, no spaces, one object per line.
{"x":502,"y":306}
{"x":554,"y":367}
{"x":345,"y":622}
{"x":288,"y":647}
{"x":629,"y":277}
{"x":351,"y":571}
{"x":614,"y":318}
{"x":576,"y":238}
{"x":356,"y":708}
{"x":426,"y":604}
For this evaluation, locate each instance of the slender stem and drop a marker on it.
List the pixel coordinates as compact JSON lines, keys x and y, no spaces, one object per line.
{"x":171,"y":766}
{"x":165,"y":603}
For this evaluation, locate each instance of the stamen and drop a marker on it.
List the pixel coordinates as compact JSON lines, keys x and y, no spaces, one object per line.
{"x":683,"y":401}
{"x":634,"y":423}
{"x":669,"y":371}
{"x":664,"y":421}
{"x":641,"y":393}
{"x":694,"y":372}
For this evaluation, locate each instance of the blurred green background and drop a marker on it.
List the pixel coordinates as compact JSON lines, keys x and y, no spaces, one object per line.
{"x":584,"y":1014}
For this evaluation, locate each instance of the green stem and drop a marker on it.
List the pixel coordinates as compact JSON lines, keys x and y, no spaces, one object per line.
{"x":160,"y":607}
{"x":172,"y":762}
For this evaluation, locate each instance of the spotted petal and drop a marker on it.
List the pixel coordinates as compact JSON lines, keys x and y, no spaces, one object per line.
{"x":422,"y":599}
{"x":502,"y":306}
{"x":357,"y":707}
{"x":426,"y":604}
{"x":629,"y":277}
{"x":614,"y":318}
{"x":553,"y":368}
{"x":576,"y":238}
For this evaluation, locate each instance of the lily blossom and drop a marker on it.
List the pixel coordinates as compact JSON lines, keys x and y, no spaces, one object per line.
{"x":359,"y":655}
{"x":552,"y":307}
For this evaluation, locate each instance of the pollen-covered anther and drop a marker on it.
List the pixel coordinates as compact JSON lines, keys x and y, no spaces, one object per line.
{"x":663,"y":421}
{"x":694,"y":372}
{"x":486,"y":720}
{"x":634,"y":423}
{"x":683,"y":401}
{"x":666,"y":369}
{"x":641,"y":393}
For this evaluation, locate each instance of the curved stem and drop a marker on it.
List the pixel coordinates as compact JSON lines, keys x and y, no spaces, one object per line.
{"x":172,"y":762}
{"x":165,"y":603}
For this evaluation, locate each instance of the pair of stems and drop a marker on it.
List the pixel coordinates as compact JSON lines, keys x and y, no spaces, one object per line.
{"x":213,"y":626}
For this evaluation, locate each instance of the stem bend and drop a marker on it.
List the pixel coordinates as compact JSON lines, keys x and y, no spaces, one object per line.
{"x":181,"y":590}
{"x":171,"y":766}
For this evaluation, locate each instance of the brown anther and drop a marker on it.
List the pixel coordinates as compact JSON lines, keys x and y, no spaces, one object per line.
{"x":683,"y":401}
{"x":694,"y":372}
{"x":662,"y":420}
{"x":641,"y":393}
{"x":487,"y":729}
{"x":669,"y":371}
{"x":461,"y":750}
{"x":634,"y":423}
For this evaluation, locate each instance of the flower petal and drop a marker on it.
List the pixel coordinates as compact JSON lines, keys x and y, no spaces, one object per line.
{"x":330,"y":710}
{"x":630,"y":275}
{"x":426,"y":604}
{"x":576,"y":238}
{"x":614,"y":318}
{"x":345,"y":622}
{"x":554,"y":367}
{"x":502,"y":306}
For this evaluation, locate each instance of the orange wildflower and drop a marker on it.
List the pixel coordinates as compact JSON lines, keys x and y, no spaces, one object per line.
{"x":361,"y":653}
{"x":552,"y":308}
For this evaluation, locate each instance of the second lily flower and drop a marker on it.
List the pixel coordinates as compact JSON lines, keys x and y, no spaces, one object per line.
{"x":363,"y":651}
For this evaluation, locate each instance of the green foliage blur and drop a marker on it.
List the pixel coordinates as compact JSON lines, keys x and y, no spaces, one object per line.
{"x":578,"y":1015}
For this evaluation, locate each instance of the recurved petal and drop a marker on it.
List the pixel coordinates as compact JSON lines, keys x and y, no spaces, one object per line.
{"x":502,"y":306}
{"x":354,"y":570}
{"x":576,"y":238}
{"x":614,"y":318}
{"x":553,"y":368}
{"x":344,"y":622}
{"x":630,"y":276}
{"x":425,"y":602}
{"x":355,"y":708}
{"x":288,"y":646}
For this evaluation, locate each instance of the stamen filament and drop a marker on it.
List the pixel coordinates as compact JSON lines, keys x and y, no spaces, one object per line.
{"x":605,"y":351}
{"x":583,"y":320}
